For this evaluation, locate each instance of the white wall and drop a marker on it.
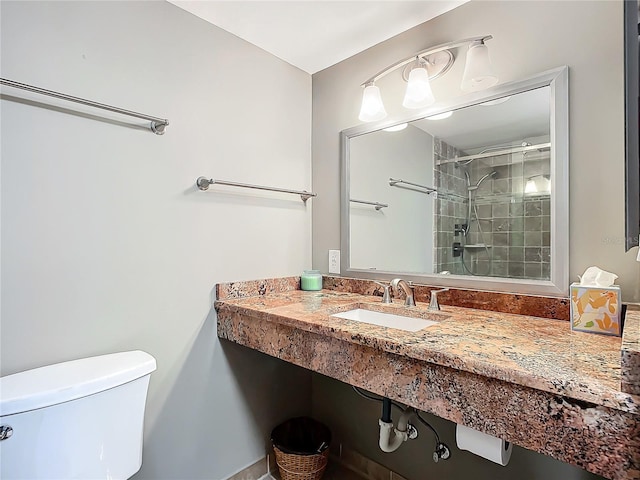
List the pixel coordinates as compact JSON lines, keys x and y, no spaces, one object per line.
{"x":107,"y":245}
{"x":399,"y":237}
{"x":529,"y":37}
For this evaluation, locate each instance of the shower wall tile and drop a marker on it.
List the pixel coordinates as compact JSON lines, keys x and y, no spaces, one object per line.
{"x":516,"y":224}
{"x":501,"y":224}
{"x":546,"y":270}
{"x":500,"y":210}
{"x":532,"y":239}
{"x":533,"y":254}
{"x":485,"y":211}
{"x":500,"y":254}
{"x":516,"y":238}
{"x":532,"y":270}
{"x":533,"y":224}
{"x":516,"y":209}
{"x":516,"y":254}
{"x":546,"y":254}
{"x":500,"y":268}
{"x":501,"y":239}
{"x":502,"y":185}
{"x":516,"y":269}
{"x":532,"y":208}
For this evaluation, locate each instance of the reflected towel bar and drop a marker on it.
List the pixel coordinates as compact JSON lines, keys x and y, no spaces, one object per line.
{"x":157,"y":124}
{"x":379,"y":206}
{"x":203,"y":184}
{"x":394,"y":183}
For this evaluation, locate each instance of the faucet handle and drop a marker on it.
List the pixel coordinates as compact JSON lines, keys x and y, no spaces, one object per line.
{"x":433,"y":301}
{"x":440,"y":290}
{"x":386,"y":296}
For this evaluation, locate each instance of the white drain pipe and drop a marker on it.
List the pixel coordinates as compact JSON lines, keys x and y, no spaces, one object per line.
{"x":391,"y":442}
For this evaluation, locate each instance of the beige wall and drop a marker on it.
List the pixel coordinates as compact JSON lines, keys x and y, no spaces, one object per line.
{"x":529,"y":37}
{"x":106,"y":243}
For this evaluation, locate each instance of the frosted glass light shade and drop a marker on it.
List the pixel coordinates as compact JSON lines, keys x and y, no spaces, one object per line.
{"x":531,"y":186}
{"x":372,"y":108}
{"x":418,"y":94}
{"x":478,"y":72}
{"x":440,"y":116}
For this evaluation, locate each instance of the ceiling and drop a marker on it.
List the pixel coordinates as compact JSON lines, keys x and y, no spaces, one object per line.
{"x":519,"y":118}
{"x":313,"y":35}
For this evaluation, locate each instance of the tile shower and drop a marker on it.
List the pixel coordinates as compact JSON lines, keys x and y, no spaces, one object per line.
{"x":506,"y":233}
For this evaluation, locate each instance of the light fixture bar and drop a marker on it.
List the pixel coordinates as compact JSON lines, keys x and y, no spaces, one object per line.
{"x":425,"y":53}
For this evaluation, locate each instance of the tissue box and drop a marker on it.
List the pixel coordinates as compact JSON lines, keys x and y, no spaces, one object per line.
{"x":596,"y":309}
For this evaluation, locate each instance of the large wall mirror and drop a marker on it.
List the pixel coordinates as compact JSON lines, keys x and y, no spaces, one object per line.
{"x":472,"y":194}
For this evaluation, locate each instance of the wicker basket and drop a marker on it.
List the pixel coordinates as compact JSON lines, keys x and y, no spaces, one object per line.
{"x":301,"y":467}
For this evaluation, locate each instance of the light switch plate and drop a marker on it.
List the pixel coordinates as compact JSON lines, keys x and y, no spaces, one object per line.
{"x":334,"y":261}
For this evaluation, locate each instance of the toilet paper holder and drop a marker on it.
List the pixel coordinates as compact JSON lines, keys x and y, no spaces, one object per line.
{"x":484,"y":445}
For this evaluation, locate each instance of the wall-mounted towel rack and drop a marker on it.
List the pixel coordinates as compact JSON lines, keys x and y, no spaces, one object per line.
{"x":203,"y":184}
{"x":378,"y":206}
{"x":157,"y":124}
{"x":401,"y":184}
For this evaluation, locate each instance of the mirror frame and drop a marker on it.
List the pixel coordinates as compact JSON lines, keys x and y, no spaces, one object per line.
{"x":632,"y":135}
{"x":558,"y":285}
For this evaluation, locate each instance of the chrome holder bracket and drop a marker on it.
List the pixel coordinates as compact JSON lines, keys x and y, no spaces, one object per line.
{"x":5,"y":432}
{"x":158,"y":128}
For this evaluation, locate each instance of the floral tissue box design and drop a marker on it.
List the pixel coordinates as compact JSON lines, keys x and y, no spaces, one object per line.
{"x":596,"y":309}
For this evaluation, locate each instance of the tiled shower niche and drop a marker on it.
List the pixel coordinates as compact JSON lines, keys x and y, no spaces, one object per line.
{"x":506,"y":233}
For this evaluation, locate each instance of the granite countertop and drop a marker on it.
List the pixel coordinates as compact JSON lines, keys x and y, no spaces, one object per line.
{"x":534,"y":352}
{"x":526,"y":379}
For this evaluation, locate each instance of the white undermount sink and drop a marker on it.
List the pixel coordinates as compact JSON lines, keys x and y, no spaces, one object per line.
{"x":390,"y":320}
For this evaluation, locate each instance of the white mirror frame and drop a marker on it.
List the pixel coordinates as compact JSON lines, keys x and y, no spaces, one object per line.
{"x":558,"y":285}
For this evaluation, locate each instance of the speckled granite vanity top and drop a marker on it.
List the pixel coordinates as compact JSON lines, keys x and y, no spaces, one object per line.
{"x":476,"y":367}
{"x":534,"y":352}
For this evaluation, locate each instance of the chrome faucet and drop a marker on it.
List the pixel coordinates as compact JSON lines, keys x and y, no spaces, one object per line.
{"x":408,"y":290}
{"x":433,"y":301}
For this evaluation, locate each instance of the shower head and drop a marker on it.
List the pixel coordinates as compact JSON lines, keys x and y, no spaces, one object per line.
{"x":492,"y":174}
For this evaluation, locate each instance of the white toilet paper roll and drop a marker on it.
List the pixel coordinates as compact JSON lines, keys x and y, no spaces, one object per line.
{"x":486,"y":446}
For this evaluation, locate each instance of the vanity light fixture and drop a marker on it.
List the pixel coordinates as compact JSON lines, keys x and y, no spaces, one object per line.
{"x":478,"y":72}
{"x":418,"y":93}
{"x":531,"y":187}
{"x":372,"y":108}
{"x":419,"y":69}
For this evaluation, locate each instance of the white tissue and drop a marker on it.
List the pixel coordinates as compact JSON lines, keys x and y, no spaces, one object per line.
{"x":484,"y":445}
{"x":596,"y":277}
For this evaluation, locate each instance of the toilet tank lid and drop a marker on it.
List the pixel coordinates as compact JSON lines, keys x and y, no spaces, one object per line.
{"x":62,"y":382}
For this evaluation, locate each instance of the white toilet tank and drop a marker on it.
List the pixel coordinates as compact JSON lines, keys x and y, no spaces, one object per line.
{"x":81,"y":419}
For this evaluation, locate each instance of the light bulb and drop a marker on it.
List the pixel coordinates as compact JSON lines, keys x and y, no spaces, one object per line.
{"x":372,"y":108}
{"x":418,"y":94}
{"x":440,"y":116}
{"x":396,"y":128}
{"x":478,"y":73}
